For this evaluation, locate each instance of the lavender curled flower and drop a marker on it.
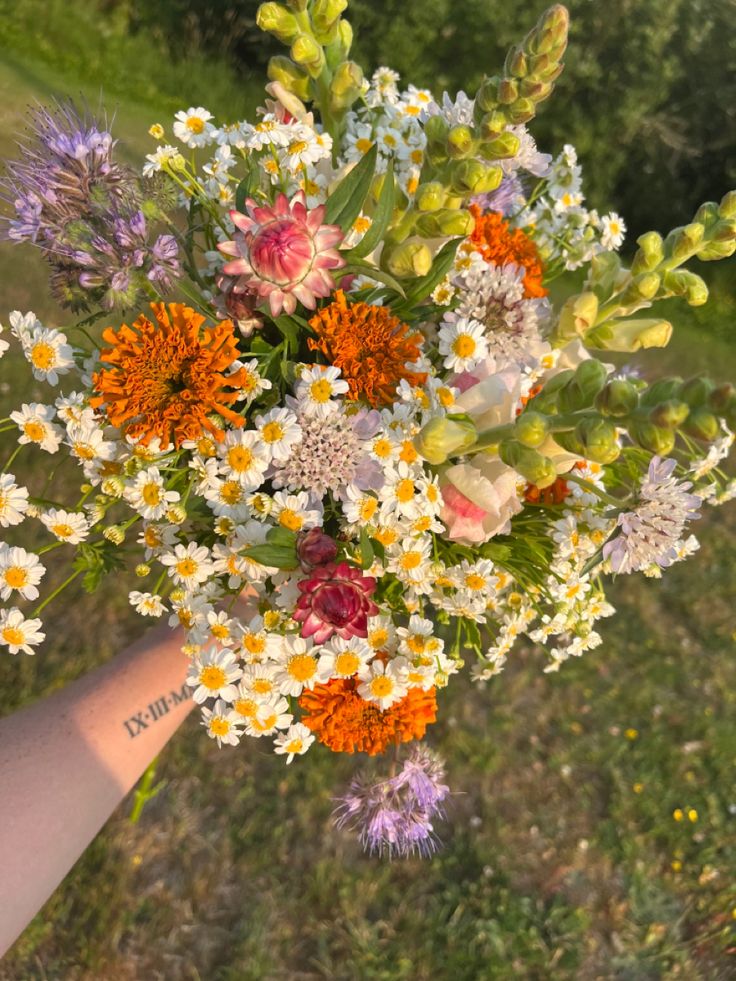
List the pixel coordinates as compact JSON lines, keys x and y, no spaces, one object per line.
{"x":651,"y":533}
{"x":394,"y":816}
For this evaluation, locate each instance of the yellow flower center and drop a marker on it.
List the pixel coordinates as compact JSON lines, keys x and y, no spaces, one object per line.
{"x":299,"y":146}
{"x":364,"y":144}
{"x":239,"y":458}
{"x":410,"y":560}
{"x":195,"y":124}
{"x":301,"y":667}
{"x":231,"y":492}
{"x":271,"y":619}
{"x":378,"y":638}
{"x":262,"y":686}
{"x":254,"y":644}
{"x":405,"y":490}
{"x":408,"y":452}
{"x":416,"y":157}
{"x":381,"y":686}
{"x":272,"y":432}
{"x":62,"y":530}
{"x":368,"y":508}
{"x":291,"y":520}
{"x":43,"y":356}
{"x":186,"y":567}
{"x":220,"y":630}
{"x":34,"y":431}
{"x":474,"y":581}
{"x":320,"y":390}
{"x":347,"y":663}
{"x":382,"y":448}
{"x":422,"y":524}
{"x":205,"y":446}
{"x":432,"y":493}
{"x":246,"y":707}
{"x":84,"y":451}
{"x":219,"y":726}
{"x":212,"y":677}
{"x":362,"y":224}
{"x":16,"y":577}
{"x":151,"y":537}
{"x":464,"y":346}
{"x":151,"y":494}
{"x":12,"y":635}
{"x":386,"y":536}
{"x":416,"y":643}
{"x":294,"y":746}
{"x":263,"y":725}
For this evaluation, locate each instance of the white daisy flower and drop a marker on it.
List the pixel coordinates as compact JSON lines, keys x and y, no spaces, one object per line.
{"x":19,"y":634}
{"x":193,"y":127}
{"x":244,"y":457}
{"x":156,"y":538}
{"x":20,"y":572}
{"x":22,"y":325}
{"x":269,"y":717}
{"x":147,"y":604}
{"x":67,"y":526}
{"x":384,"y":684}
{"x":74,"y":408}
{"x":259,"y":681}
{"x":88,"y":443}
{"x":294,"y":511}
{"x":279,"y":432}
{"x":222,"y":723}
{"x":49,"y":354}
{"x":4,"y":345}
{"x":148,"y":494}
{"x":358,"y":141}
{"x":462,"y":343}
{"x":212,"y":675}
{"x":614,"y":230}
{"x":159,"y":160}
{"x":317,"y":388}
{"x":345,"y":658}
{"x":228,"y":498}
{"x":299,"y":667}
{"x":13,"y":501}
{"x":189,"y":564}
{"x":294,"y":742}
{"x":34,"y":422}
{"x":221,"y":627}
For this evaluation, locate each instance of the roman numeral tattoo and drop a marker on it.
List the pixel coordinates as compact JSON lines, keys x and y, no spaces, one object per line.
{"x":156,"y":710}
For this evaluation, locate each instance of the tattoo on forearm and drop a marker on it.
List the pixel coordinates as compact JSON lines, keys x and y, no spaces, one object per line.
{"x":156,"y":710}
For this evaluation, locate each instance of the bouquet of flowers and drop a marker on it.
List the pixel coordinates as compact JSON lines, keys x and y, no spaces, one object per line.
{"x":322,"y":360}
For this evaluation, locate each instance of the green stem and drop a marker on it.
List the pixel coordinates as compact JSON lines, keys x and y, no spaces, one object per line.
{"x":44,"y":603}
{"x":615,"y":502}
{"x":12,"y":457}
{"x":144,"y":791}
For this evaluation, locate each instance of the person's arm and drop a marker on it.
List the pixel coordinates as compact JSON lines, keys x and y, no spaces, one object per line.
{"x":68,"y":760}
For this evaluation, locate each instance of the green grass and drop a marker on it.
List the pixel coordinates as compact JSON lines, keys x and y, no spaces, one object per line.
{"x":561,"y":856}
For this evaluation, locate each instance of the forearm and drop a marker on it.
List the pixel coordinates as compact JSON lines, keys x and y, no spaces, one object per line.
{"x":67,"y":761}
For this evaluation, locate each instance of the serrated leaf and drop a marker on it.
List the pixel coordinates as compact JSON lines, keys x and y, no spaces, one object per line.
{"x":346,"y":201}
{"x":381,"y":218}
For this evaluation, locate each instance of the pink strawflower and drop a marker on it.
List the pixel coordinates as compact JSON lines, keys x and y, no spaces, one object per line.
{"x":336,"y":600}
{"x":284,"y":253}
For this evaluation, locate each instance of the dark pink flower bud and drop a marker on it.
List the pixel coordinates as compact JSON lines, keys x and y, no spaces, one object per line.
{"x":336,"y":600}
{"x":314,"y":548}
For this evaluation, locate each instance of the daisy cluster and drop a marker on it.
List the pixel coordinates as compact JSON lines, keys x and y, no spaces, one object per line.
{"x":364,"y":445}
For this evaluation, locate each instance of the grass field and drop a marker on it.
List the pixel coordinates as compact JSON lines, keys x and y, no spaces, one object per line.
{"x":561,"y":859}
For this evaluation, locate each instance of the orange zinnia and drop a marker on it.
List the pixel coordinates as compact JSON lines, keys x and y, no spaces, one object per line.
{"x":500,"y":244}
{"x":347,"y":723}
{"x":164,"y":379}
{"x":369,"y":345}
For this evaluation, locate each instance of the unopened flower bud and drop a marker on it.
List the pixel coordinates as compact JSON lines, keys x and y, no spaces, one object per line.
{"x":493,"y":124}
{"x":646,"y":285}
{"x":156,"y":131}
{"x":114,"y":534}
{"x":684,"y":241}
{"x":577,"y":315}
{"x":516,"y":63}
{"x":716,"y":250}
{"x":727,"y":207}
{"x":409,"y":259}
{"x":598,"y":436}
{"x":460,"y":141}
{"x":531,"y":428}
{"x":431,"y":195}
{"x":724,"y":230}
{"x":344,"y":37}
{"x":656,"y":439}
{"x":507,"y":91}
{"x":142,"y":570}
{"x":670,"y":414}
{"x":502,"y":147}
{"x":453,"y":221}
{"x":346,"y":85}
{"x":661,"y":391}
{"x":113,"y":486}
{"x":445,"y":436}
{"x":702,"y":424}
{"x":314,"y":548}
{"x":630,"y":335}
{"x":530,"y":463}
{"x":291,"y":76}
{"x":650,"y":254}
{"x":682,"y":282}
{"x":695,"y":391}
{"x":618,"y":398}
{"x":277,"y":20}
{"x":722,"y":397}
{"x":176,"y":514}
{"x":305,"y":51}
{"x":521,"y":111}
{"x":298,"y":5}
{"x":580,"y":392}
{"x":486,"y":98}
{"x":708,"y":214}
{"x":324,"y":13}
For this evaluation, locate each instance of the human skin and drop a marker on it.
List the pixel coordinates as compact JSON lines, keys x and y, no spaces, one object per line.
{"x":68,"y":760}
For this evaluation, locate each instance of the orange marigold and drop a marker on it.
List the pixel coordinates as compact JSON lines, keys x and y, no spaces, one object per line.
{"x":554,"y":494}
{"x":347,"y":723}
{"x":500,"y":244}
{"x":163,"y":379}
{"x":369,"y":345}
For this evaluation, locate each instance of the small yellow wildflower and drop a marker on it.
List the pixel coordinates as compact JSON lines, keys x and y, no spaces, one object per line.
{"x":631,"y":734}
{"x":677,"y":814}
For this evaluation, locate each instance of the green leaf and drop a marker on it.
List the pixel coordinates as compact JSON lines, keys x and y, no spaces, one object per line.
{"x":381,"y":217}
{"x":96,"y":561}
{"x":245,"y":188}
{"x":366,"y":550}
{"x":358,"y":267}
{"x":279,"y":556}
{"x":440,"y":267}
{"x":281,"y":536}
{"x":345,"y":203}
{"x":290,"y":330}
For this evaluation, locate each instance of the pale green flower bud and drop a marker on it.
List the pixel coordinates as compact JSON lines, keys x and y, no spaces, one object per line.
{"x":516,"y":63}
{"x":114,"y":534}
{"x":716,"y":250}
{"x":346,"y":85}
{"x":142,"y":570}
{"x":687,"y":284}
{"x":683,"y":242}
{"x":695,"y":391}
{"x":580,"y":392}
{"x":531,"y":464}
{"x":507,"y":91}
{"x":436,"y":128}
{"x":646,"y":285}
{"x":455,"y":222}
{"x":708,"y":213}
{"x":618,"y":398}
{"x":409,"y":259}
{"x":345,"y":37}
{"x":724,"y":230}
{"x":656,"y":439}
{"x":298,"y":5}
{"x":702,"y":424}
{"x":486,"y":98}
{"x":630,"y":335}
{"x":305,"y":51}
{"x":598,"y":436}
{"x":324,"y":14}
{"x":670,"y":414}
{"x":291,"y":76}
{"x":531,"y":428}
{"x":650,"y":254}
{"x":493,"y":124}
{"x":537,"y":91}
{"x":113,"y":486}
{"x":661,"y":391}
{"x":277,"y":20}
{"x":474,"y":177}
{"x":521,"y":111}
{"x":444,"y":437}
{"x":460,"y":141}
{"x":577,"y":316}
{"x":176,"y":514}
{"x":430,"y":196}
{"x":727,"y":207}
{"x":505,"y":145}
{"x":722,"y":397}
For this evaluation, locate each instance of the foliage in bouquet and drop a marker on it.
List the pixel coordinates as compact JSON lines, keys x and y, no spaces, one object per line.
{"x":351,"y":399}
